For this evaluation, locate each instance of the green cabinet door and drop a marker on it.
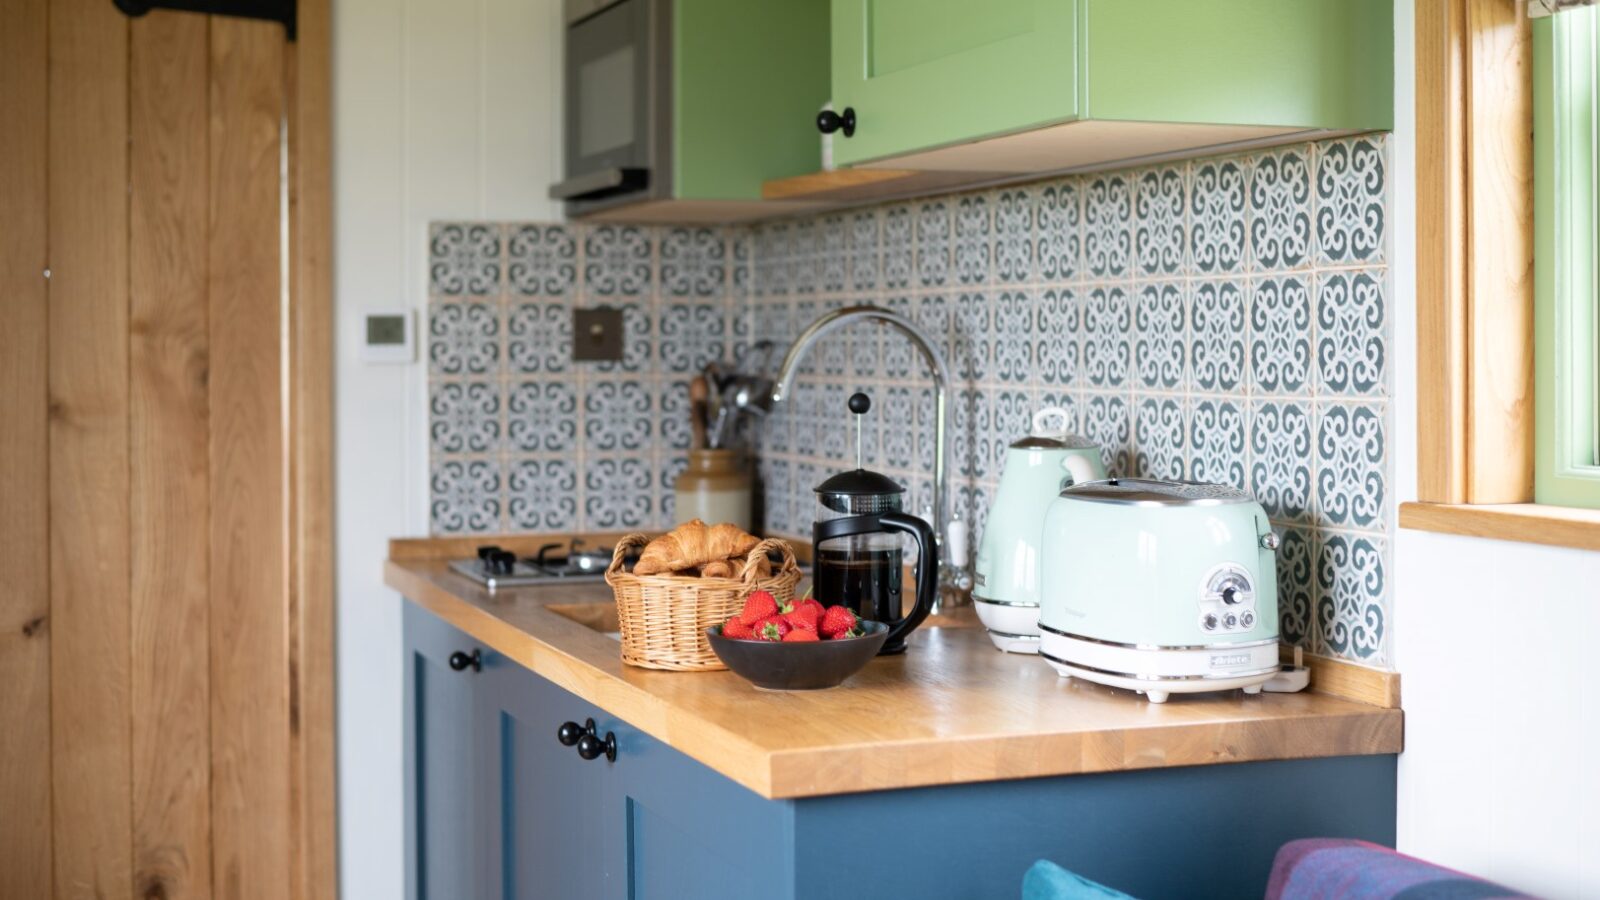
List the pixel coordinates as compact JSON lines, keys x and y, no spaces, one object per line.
{"x":925,"y":73}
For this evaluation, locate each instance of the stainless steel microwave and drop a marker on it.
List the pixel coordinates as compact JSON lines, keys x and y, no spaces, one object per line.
{"x":618,"y":104}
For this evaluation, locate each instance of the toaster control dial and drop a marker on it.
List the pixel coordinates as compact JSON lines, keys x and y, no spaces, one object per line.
{"x":1227,"y":600}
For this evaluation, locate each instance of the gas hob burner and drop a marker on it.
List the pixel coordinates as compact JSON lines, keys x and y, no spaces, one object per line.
{"x":496,"y":567}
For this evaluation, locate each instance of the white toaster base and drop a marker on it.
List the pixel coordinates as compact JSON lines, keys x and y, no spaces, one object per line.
{"x":1015,"y":643}
{"x":1161,"y":672}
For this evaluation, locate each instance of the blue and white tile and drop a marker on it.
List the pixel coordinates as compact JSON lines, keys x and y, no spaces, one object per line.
{"x":617,"y":414}
{"x":617,"y":261}
{"x":1217,"y":342}
{"x":927,"y":426}
{"x":667,"y":471}
{"x":834,"y":428}
{"x":693,"y":333}
{"x":1160,"y":348}
{"x":1159,"y":436}
{"x":1280,"y":210}
{"x":1107,"y":422}
{"x":464,"y":417}
{"x":1297,"y":586}
{"x":1057,"y":347}
{"x":833,"y":254}
{"x":864,"y":251}
{"x":1057,"y":232}
{"x":618,"y":493}
{"x":970,"y":336}
{"x":803,"y":497}
{"x":1352,"y":446}
{"x":541,"y":260}
{"x":1013,"y":234}
{"x":741,"y":249}
{"x":1107,"y":346}
{"x":771,"y":261}
{"x":969,"y":419}
{"x":864,"y":342}
{"x":1280,"y":335}
{"x":933,"y":244}
{"x":463,"y":337}
{"x":972,"y":227}
{"x":1010,"y":419}
{"x":542,"y":417}
{"x":464,"y":259}
{"x":464,"y":496}
{"x":1217,"y":217}
{"x":898,"y":244}
{"x":1281,"y":454}
{"x":1011,"y":350}
{"x":542,"y":495}
{"x":694,"y":262}
{"x":1352,"y":587}
{"x":1217,"y":441}
{"x":899,"y":445}
{"x":539,"y":336}
{"x":1159,"y":223}
{"x":675,"y":429}
{"x":1351,"y":333}
{"x":775,"y":492}
{"x":1351,"y":195}
{"x":805,"y":258}
{"x":1107,"y":226}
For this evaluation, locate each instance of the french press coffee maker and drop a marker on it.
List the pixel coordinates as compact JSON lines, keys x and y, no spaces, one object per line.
{"x":857,"y":542}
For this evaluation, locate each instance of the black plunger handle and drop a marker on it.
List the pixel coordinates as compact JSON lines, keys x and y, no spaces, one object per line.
{"x":927,"y":572}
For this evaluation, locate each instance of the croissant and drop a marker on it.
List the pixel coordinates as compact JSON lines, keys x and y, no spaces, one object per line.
{"x":723,"y":568}
{"x":693,"y":544}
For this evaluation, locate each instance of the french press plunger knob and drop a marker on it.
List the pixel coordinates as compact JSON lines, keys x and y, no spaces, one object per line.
{"x":859,"y":403}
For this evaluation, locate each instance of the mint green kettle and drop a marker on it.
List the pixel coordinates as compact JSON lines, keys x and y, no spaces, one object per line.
{"x":1005,"y":589}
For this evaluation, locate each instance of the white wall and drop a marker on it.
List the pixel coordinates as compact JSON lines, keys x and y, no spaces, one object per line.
{"x":1493,"y":640}
{"x":442,"y":109}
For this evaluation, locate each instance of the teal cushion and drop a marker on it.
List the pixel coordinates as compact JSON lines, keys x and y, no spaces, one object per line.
{"x":1047,"y":881}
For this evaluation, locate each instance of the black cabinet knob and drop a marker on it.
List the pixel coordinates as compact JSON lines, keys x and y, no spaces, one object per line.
{"x":461,"y":661}
{"x":829,"y":121}
{"x":571,"y":732}
{"x":591,"y":746}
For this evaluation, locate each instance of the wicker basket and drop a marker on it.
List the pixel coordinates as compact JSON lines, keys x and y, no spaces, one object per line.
{"x":664,"y":617}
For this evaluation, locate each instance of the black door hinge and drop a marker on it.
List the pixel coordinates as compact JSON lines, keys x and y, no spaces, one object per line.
{"x":270,"y":10}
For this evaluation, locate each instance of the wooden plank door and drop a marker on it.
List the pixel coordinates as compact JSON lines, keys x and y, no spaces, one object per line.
{"x":165,"y":616}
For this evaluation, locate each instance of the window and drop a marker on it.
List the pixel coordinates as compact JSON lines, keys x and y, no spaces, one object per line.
{"x":1566,"y":51}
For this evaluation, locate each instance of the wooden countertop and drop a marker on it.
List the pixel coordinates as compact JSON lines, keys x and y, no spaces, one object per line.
{"x":952,"y":709}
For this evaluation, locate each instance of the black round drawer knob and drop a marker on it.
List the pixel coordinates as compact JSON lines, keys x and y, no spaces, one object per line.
{"x":571,"y":732}
{"x":592,"y":747}
{"x":829,"y":121}
{"x":461,"y":661}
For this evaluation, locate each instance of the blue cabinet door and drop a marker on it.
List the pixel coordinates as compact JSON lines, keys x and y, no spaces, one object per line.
{"x":543,"y":803}
{"x":442,"y":824}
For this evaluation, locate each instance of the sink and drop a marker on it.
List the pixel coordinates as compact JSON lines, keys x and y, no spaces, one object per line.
{"x":602,"y":617}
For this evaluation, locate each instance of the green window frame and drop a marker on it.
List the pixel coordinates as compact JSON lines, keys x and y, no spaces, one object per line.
{"x":1566,"y":49}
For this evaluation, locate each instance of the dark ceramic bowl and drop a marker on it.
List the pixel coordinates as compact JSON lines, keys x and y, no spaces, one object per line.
{"x":776,"y":666}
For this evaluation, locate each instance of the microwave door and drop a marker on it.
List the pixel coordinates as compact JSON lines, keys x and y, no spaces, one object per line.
{"x":609,"y":76}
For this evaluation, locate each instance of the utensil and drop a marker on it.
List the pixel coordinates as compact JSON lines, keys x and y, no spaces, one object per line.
{"x":697,"y":412}
{"x":814,"y":665}
{"x":1005,"y":589}
{"x":857,"y":541}
{"x":1159,"y":586}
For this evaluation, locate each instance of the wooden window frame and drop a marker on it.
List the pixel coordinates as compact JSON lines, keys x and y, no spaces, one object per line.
{"x":1475,"y":280}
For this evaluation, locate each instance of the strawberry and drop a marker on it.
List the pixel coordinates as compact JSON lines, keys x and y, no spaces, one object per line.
{"x":800,"y":635}
{"x":772,"y":628}
{"x":734,"y":628}
{"x":803,"y":616}
{"x":810,"y":602}
{"x":837,"y":621}
{"x":759,"y":605}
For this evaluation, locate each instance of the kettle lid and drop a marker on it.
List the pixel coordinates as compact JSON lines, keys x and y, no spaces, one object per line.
{"x":1043,"y":437}
{"x":1156,"y":492}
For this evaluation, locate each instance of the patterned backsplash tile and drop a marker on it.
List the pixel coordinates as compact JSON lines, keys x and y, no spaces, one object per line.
{"x":1223,"y":319}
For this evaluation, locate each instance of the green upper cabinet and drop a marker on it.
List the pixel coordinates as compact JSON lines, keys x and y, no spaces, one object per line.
{"x":749,"y":77}
{"x":925,"y":73}
{"x":1038,"y":85}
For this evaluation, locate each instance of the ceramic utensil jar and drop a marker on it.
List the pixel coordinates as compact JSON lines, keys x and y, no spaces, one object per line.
{"x":714,"y":488}
{"x":1006,"y":582}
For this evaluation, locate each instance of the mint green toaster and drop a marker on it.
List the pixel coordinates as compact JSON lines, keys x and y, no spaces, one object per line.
{"x":1159,"y":586}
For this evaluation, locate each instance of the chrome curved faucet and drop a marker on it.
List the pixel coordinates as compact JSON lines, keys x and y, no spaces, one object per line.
{"x":829,"y":322}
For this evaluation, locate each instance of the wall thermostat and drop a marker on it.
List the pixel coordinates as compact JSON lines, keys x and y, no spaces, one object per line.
{"x":388,"y":336}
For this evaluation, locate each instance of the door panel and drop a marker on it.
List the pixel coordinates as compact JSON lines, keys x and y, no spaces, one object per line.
{"x":544,"y":802}
{"x":925,"y":73}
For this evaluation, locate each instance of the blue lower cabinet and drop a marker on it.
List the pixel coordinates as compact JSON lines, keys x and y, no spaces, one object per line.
{"x":500,"y":808}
